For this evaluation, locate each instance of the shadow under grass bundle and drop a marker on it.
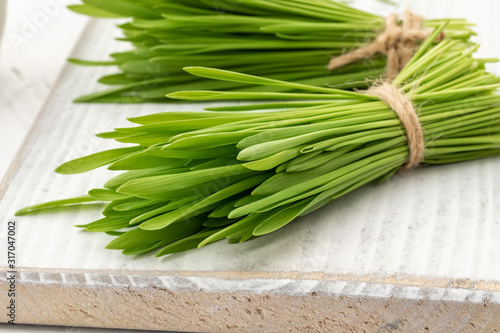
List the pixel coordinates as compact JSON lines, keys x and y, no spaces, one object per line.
{"x":239,"y":172}
{"x":290,"y":40}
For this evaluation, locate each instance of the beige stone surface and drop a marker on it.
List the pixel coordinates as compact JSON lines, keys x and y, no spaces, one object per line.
{"x":156,"y":308}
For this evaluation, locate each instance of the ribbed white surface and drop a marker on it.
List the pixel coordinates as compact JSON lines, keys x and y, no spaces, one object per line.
{"x":434,"y":228}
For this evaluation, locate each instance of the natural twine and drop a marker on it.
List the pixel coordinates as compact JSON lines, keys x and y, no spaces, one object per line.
{"x":398,"y":44}
{"x":405,"y":110}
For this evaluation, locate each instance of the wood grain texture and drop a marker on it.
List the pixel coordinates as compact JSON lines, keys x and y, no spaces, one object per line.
{"x":419,"y":253}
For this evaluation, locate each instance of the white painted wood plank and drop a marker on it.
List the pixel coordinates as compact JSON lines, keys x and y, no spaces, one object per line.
{"x":370,"y":250}
{"x":37,"y":40}
{"x":430,"y":235}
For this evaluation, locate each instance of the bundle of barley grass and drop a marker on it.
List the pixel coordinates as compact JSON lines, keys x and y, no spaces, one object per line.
{"x":291,"y":40}
{"x":193,"y":178}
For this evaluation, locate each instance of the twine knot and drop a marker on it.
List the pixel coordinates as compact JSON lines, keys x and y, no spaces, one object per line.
{"x":405,"y":110}
{"x":396,"y":42}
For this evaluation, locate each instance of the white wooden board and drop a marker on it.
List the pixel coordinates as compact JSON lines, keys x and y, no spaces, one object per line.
{"x":419,"y":251}
{"x":37,"y":39}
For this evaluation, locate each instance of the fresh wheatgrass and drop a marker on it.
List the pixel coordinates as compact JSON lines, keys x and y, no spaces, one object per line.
{"x":290,"y":40}
{"x":239,"y":172}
